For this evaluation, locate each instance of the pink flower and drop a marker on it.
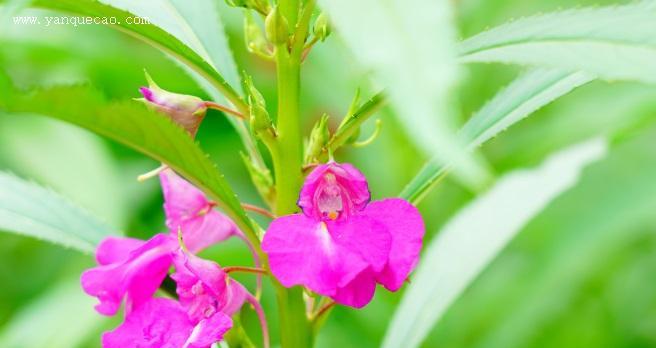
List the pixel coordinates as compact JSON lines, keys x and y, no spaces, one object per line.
{"x":341,"y":245}
{"x":188,"y":209}
{"x":186,"y":110}
{"x":164,"y":323}
{"x":133,"y":269}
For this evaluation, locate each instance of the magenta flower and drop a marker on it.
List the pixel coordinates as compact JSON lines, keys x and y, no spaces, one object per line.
{"x":186,"y":110}
{"x":132,"y":269}
{"x":341,"y":245}
{"x":164,"y":323}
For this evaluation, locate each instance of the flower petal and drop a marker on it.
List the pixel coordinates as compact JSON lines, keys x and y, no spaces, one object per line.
{"x":188,"y":209}
{"x":350,"y":180}
{"x":209,"y":331}
{"x":363,"y":235}
{"x":115,"y":249}
{"x":406,"y":227}
{"x":158,"y":323}
{"x":302,"y":252}
{"x":358,"y":292}
{"x":138,"y":276}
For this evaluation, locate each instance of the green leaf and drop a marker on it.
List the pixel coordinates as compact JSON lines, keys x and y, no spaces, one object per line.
{"x":525,"y":95}
{"x":612,"y":42}
{"x":410,"y":45}
{"x":31,"y":210}
{"x":62,"y":318}
{"x":201,"y":63}
{"x":132,"y":124}
{"x":37,"y":148}
{"x":471,"y":239}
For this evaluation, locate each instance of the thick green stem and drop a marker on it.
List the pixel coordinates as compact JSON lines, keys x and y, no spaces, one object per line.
{"x":296,"y":331}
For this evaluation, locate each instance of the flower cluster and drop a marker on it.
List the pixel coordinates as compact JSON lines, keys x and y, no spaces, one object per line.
{"x":132,"y":270}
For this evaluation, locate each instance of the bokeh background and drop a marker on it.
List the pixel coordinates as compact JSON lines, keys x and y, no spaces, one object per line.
{"x":581,"y":274}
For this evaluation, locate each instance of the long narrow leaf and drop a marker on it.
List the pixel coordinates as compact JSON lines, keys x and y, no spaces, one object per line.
{"x":525,"y":95}
{"x":31,"y":210}
{"x":131,"y":124}
{"x":612,"y":42}
{"x":410,"y":45}
{"x":471,"y":239}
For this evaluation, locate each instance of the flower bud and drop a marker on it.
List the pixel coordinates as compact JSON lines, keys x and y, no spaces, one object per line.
{"x":318,"y":139}
{"x":185,"y":110}
{"x":322,"y":28}
{"x":260,"y":122}
{"x":255,"y":41}
{"x":276,"y":27}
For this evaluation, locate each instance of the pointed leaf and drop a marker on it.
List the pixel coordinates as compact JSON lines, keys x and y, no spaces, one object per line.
{"x":472,"y":239}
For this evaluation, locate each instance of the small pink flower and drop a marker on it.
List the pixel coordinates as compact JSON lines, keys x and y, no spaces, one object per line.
{"x":186,"y":110}
{"x":188,"y":209}
{"x":342,"y":245}
{"x":133,"y":269}
{"x":164,"y":323}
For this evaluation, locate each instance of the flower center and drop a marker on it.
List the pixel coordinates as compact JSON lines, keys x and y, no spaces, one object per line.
{"x":330,"y":200}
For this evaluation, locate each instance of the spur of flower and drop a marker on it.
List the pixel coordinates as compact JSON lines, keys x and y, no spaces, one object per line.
{"x":341,"y":244}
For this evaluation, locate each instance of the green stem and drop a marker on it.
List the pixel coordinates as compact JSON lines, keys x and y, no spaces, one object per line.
{"x":287,"y":158}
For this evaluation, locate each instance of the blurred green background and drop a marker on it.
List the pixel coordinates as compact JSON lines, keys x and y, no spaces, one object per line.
{"x":579,"y":275}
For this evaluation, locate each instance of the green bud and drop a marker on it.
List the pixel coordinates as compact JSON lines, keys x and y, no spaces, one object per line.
{"x":318,"y":139}
{"x":261,"y":178}
{"x":322,"y":28}
{"x":260,"y":122}
{"x":255,"y":41}
{"x":253,"y":93}
{"x":276,"y":27}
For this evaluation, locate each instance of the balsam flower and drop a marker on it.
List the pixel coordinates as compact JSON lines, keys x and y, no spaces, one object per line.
{"x":164,"y":323}
{"x":186,"y":110}
{"x":341,"y":245}
{"x":133,"y":269}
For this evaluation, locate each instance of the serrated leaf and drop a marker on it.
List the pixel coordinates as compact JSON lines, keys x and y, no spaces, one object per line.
{"x":615,"y":42}
{"x":523,"y":96}
{"x":471,"y":239}
{"x":31,"y":210}
{"x":410,"y":45}
{"x":155,"y":36}
{"x":133,"y":125}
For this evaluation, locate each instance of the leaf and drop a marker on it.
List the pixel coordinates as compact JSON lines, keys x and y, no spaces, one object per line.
{"x":61,"y":318}
{"x":471,"y":239}
{"x":615,"y":42}
{"x":155,"y":36}
{"x":410,"y":45}
{"x":31,"y":210}
{"x":131,"y":124}
{"x":37,"y":148}
{"x":525,"y":95}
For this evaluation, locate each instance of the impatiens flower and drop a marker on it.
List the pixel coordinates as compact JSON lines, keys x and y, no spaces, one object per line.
{"x":186,"y":110}
{"x":341,"y":245}
{"x":133,"y":269}
{"x":164,"y":323}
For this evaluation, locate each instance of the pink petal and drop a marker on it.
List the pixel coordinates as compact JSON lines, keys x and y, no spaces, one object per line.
{"x":115,"y":249}
{"x":209,"y":331}
{"x":204,"y":289}
{"x":136,"y":277}
{"x":302,"y":252}
{"x":188,"y":209}
{"x":365,"y":236}
{"x":406,"y":226}
{"x":351,"y":182}
{"x":158,"y":323}
{"x":359,"y":292}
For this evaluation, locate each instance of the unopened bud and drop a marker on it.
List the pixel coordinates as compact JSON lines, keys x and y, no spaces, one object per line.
{"x":322,"y":28}
{"x":318,"y":139}
{"x":276,"y":27}
{"x":255,"y":40}
{"x":186,"y":110}
{"x":260,"y":122}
